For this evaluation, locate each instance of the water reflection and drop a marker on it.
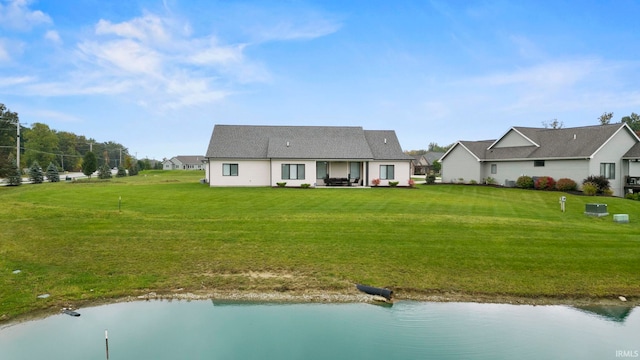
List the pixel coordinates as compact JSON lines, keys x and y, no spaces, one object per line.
{"x":407,"y":330}
{"x":611,"y":313}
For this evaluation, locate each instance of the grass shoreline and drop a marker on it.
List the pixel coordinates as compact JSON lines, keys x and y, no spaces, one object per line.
{"x":174,"y":236}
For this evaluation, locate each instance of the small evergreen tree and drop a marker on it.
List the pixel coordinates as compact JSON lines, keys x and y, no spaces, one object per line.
{"x":35,"y":173}
{"x":104,"y":172}
{"x":121,"y":172}
{"x":133,"y":169}
{"x":89,"y":164}
{"x":15,"y":177}
{"x":52,"y":173}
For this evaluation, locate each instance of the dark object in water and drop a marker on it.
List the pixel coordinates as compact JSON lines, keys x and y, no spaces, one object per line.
{"x":70,"y":312}
{"x":386,"y":293}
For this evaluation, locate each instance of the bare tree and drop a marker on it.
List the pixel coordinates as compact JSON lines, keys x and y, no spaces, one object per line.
{"x":605,"y":118}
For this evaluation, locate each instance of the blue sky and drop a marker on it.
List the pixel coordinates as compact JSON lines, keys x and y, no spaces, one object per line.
{"x":157,"y":75}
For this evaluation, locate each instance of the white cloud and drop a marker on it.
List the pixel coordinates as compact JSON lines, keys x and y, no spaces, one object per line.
{"x":4,"y":54}
{"x":53,"y":36}
{"x":122,"y":55}
{"x":148,"y":29}
{"x":16,"y":15}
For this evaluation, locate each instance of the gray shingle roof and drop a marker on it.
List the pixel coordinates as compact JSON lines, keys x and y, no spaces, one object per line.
{"x":578,"y":142}
{"x":301,"y":142}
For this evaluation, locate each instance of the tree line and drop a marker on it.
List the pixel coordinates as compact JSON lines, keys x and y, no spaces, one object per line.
{"x":66,"y":150}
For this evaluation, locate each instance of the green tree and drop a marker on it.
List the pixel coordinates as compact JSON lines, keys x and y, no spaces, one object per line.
{"x":605,"y":118}
{"x":437,"y":148}
{"x":70,"y":157}
{"x":41,"y":144}
{"x":133,"y":168}
{"x":35,"y":173}
{"x":121,"y":172}
{"x":104,"y":172}
{"x":553,"y":124}
{"x":8,"y":133}
{"x":14,"y":176}
{"x":52,"y":173}
{"x":436,"y":167}
{"x":89,"y":164}
{"x":633,"y":121}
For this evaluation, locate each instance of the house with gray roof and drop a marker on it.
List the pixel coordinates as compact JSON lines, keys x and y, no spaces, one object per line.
{"x":610,"y":150}
{"x":184,"y":162}
{"x":244,"y":155}
{"x":423,"y":164}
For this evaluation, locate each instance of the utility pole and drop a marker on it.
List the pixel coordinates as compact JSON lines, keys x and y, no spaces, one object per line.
{"x":90,"y":146}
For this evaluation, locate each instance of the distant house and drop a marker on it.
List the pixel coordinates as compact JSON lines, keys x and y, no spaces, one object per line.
{"x":575,"y":153}
{"x":423,"y":164}
{"x":243,"y":155}
{"x":184,"y":162}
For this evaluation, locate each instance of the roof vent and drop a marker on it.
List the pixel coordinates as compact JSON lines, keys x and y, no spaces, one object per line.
{"x":287,"y":144}
{"x":574,"y":136}
{"x":385,"y":140}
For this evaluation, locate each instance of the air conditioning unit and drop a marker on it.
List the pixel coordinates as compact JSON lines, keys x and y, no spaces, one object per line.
{"x":596,"y":209}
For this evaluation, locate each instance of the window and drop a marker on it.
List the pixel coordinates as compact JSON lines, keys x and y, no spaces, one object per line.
{"x":494,"y":169}
{"x":386,"y":172}
{"x":608,"y":170}
{"x":354,"y":170}
{"x":538,"y":163}
{"x":292,"y":171}
{"x":322,"y":168}
{"x":229,"y":169}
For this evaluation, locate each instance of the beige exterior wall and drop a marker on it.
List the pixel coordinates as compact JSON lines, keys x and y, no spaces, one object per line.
{"x":576,"y":170}
{"x":460,"y":164}
{"x":612,"y":152}
{"x":250,"y":173}
{"x":511,"y":139}
{"x":309,"y":172}
{"x":401,"y":172}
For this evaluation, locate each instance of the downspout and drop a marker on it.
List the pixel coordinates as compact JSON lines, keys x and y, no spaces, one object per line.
{"x":366,"y":183}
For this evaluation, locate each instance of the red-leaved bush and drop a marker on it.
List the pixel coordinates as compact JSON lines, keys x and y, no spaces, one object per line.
{"x":565,"y":184}
{"x":544,"y":183}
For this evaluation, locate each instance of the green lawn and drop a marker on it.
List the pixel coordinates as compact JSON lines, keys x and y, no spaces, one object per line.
{"x":71,"y":241}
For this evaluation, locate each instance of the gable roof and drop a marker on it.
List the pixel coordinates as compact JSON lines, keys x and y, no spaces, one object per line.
{"x":302,"y":142}
{"x":567,"y":143}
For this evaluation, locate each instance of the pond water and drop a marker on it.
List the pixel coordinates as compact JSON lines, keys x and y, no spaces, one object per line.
{"x":406,"y":330}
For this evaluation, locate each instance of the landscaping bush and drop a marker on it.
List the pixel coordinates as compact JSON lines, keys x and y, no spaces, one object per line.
{"x":490,"y":181}
{"x":35,"y":173}
{"x":601,"y":183}
{"x":52,"y":173}
{"x":525,"y":182}
{"x":281,"y":184}
{"x":634,"y":196}
{"x":393,"y":183}
{"x":305,"y":186}
{"x":431,"y":179}
{"x":411,"y":183}
{"x":375,"y":182}
{"x":589,"y":188}
{"x":544,"y":183}
{"x":565,"y":184}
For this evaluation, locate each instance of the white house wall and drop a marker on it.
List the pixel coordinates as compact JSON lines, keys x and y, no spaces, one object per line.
{"x":250,"y":173}
{"x":511,"y":139}
{"x":460,"y":164}
{"x":401,"y":172}
{"x":309,"y":172}
{"x":634,"y":168}
{"x":612,"y":152}
{"x":576,"y":170}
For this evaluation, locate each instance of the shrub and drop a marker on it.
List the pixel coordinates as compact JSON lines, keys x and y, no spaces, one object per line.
{"x":411,"y":182}
{"x":121,"y":172}
{"x":52,"y":173}
{"x":35,"y":173}
{"x":104,"y":172}
{"x":490,"y":181}
{"x":461,"y":180}
{"x":305,"y":186}
{"x":393,"y":183}
{"x":544,"y":183}
{"x":634,"y":196}
{"x":601,"y":183}
{"x":281,"y":184}
{"x":589,"y":188}
{"x":473,"y":182}
{"x":375,"y":182}
{"x":565,"y":184}
{"x":524,"y":182}
{"x":431,"y":179}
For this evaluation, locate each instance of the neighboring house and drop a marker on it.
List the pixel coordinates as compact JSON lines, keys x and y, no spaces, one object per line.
{"x":184,"y":162}
{"x":242,"y":155}
{"x":575,"y":153}
{"x":423,"y":164}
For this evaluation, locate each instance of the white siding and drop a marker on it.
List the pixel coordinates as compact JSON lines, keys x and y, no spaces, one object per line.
{"x":634,"y":168}
{"x":512,"y":138}
{"x":460,"y":164}
{"x":576,"y":170}
{"x":401,"y":172}
{"x":250,"y":173}
{"x":309,"y":172}
{"x":612,"y":152}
